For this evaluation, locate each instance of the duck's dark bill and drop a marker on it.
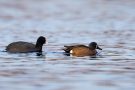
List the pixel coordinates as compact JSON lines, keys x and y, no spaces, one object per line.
{"x":99,"y":48}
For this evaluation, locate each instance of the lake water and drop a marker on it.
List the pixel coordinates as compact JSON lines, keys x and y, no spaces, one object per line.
{"x":110,"y":23}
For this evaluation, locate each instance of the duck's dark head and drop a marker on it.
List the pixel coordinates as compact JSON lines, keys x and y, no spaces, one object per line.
{"x":93,"y":45}
{"x":40,"y":41}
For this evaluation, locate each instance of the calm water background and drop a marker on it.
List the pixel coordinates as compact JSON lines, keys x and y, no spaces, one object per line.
{"x":111,"y":23}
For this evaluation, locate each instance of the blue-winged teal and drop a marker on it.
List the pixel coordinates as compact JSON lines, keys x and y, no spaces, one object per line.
{"x":82,"y":50}
{"x":24,"y":47}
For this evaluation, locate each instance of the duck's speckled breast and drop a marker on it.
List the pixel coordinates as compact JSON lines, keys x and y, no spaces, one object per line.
{"x":83,"y":51}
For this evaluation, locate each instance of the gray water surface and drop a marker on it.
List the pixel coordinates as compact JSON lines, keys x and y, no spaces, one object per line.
{"x":110,"y":23}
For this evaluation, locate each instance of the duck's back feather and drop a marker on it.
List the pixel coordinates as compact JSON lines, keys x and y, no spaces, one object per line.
{"x":67,"y":48}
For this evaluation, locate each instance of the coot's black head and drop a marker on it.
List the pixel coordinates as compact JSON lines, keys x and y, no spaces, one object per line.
{"x":41,"y":40}
{"x":93,"y":45}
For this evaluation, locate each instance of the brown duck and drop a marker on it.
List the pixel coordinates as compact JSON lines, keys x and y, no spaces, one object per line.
{"x":82,"y":50}
{"x":25,"y":47}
